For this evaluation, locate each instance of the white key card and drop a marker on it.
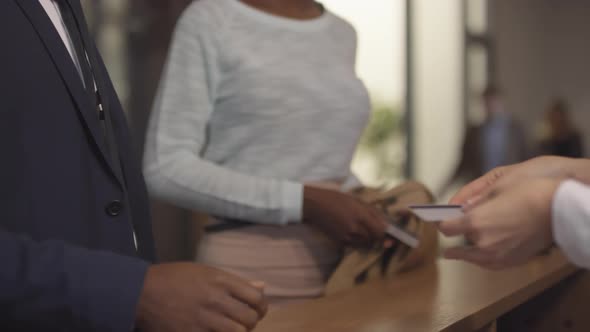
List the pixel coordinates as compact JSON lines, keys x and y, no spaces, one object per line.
{"x":435,"y":212}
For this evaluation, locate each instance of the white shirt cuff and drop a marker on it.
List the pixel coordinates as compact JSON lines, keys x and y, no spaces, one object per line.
{"x":292,"y":202}
{"x":571,"y":221}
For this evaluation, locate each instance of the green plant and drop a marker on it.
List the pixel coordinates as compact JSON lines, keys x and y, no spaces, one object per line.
{"x":385,"y":122}
{"x":381,"y":152}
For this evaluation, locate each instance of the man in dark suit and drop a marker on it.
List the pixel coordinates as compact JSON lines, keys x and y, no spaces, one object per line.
{"x":75,"y":234}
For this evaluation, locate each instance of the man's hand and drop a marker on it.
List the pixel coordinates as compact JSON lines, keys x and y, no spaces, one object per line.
{"x":547,"y":166}
{"x":507,"y":228}
{"x":343,"y":217}
{"x":185,"y":297}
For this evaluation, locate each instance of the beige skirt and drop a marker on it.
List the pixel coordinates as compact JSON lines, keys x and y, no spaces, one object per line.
{"x":294,"y":261}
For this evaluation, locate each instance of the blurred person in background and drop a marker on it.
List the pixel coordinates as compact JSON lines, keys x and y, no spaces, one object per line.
{"x":498,"y":141}
{"x":563,"y":139}
{"x":257,"y":119}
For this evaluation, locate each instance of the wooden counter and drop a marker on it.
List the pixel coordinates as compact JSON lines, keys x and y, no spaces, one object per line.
{"x":448,"y":296}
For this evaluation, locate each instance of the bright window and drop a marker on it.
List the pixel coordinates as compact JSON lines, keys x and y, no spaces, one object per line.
{"x":380,"y":25}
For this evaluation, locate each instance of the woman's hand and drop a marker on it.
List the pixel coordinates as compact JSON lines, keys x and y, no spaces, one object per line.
{"x":343,"y":217}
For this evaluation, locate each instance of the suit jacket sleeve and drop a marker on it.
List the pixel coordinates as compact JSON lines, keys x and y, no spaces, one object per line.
{"x":53,"y":286}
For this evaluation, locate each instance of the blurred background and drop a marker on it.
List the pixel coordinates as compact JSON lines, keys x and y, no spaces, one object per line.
{"x":426,"y":64}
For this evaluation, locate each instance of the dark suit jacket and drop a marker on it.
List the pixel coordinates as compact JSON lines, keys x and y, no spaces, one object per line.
{"x":66,"y":236}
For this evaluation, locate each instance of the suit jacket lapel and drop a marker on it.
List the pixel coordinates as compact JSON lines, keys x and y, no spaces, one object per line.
{"x":68,"y":72}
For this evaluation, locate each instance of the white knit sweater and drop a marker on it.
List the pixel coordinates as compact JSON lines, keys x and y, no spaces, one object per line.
{"x":250,"y":107}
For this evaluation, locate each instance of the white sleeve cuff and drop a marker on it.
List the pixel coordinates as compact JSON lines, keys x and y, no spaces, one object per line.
{"x":292,"y":202}
{"x":571,"y":221}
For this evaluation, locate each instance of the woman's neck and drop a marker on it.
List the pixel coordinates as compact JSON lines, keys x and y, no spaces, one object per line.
{"x":296,"y":9}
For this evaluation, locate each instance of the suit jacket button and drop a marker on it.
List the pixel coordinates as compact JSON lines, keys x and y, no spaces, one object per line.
{"x":114,"y":208}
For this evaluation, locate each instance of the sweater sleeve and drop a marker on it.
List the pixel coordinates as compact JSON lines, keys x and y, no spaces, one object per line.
{"x":174,"y":168}
{"x":571,"y":221}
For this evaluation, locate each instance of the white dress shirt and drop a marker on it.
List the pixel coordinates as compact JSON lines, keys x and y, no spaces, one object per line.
{"x":52,"y":9}
{"x":571,"y":221}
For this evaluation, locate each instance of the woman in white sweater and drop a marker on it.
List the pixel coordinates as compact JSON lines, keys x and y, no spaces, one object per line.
{"x":257,"y":119}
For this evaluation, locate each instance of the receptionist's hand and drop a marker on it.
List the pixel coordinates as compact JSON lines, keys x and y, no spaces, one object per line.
{"x":343,"y":217}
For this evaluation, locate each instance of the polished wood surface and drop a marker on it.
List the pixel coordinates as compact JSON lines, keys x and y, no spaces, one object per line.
{"x":446,"y":296}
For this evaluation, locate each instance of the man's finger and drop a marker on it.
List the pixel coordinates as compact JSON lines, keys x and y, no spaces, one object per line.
{"x":239,"y":312}
{"x":261,"y":285}
{"x":469,"y":191}
{"x":476,"y":187}
{"x":246,"y":293}
{"x":454,"y":227}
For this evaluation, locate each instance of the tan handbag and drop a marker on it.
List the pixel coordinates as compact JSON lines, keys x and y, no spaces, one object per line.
{"x":361,"y":265}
